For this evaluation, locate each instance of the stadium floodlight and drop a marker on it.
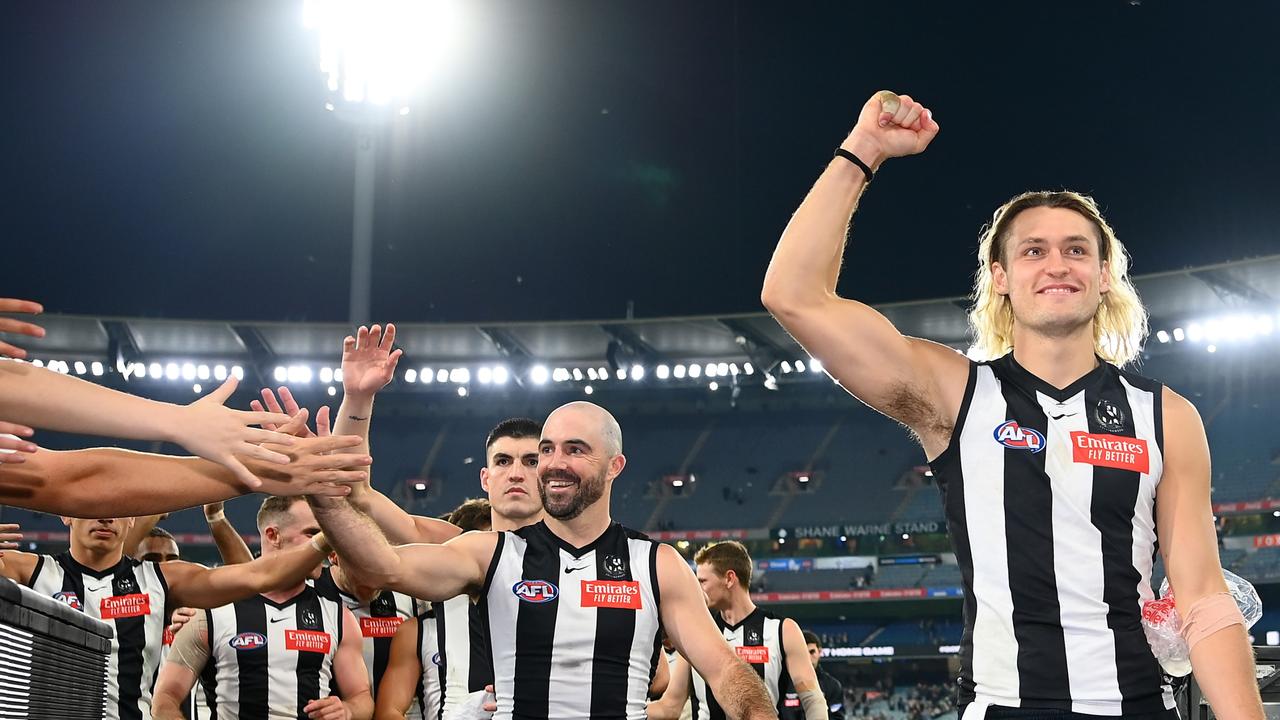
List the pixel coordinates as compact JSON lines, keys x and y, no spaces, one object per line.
{"x":695,"y":371}
{"x":722,"y":369}
{"x":426,"y":375}
{"x":662,"y":372}
{"x":376,"y":56}
{"x":96,"y":368}
{"x":442,"y":375}
{"x":1162,"y":336}
{"x":603,"y":373}
{"x":500,"y":375}
{"x":709,"y":369}
{"x":1212,"y":348}
{"x":300,"y":374}
{"x":588,"y":389}
{"x":713,"y":386}
{"x":238,"y":373}
{"x":679,"y":372}
{"x":326,"y":374}
{"x":786,"y":366}
{"x":220,"y":372}
{"x":281,"y":373}
{"x":202,"y":372}
{"x":1178,"y":334}
{"x":577,"y":374}
{"x":188,"y":371}
{"x":622,"y":373}
{"x":539,"y":374}
{"x":1266,"y":325}
{"x":560,"y":374}
{"x":637,"y":372}
{"x":410,"y":376}
{"x":81,"y":368}
{"x":461,"y":376}
{"x":815,"y":365}
{"x":462,"y":391}
{"x":332,"y":391}
{"x":591,"y":374}
{"x":485,"y":375}
{"x":171,"y":371}
{"x":139,"y":370}
{"x":770,"y":382}
{"x":196,"y":388}
{"x":748,"y":368}
{"x":1195,"y":332}
{"x":733,"y":368}
{"x":37,"y":362}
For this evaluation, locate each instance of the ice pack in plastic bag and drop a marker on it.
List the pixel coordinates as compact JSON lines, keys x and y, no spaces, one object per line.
{"x":1161,"y":623}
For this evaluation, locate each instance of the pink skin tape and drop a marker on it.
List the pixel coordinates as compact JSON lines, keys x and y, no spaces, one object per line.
{"x":1207,"y":616}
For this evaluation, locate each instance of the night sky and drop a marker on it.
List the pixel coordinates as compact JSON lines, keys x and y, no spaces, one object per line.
{"x":173,"y":159}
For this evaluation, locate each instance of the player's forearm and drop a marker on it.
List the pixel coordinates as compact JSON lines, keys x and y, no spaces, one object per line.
{"x":141,"y":528}
{"x":45,"y":399}
{"x":664,"y":709}
{"x":742,"y":693}
{"x":354,"y":418}
{"x":360,"y":706}
{"x":233,"y":549}
{"x":284,"y":569}
{"x":166,"y":707}
{"x":806,"y":263}
{"x":366,"y":554}
{"x":109,"y":482}
{"x":1224,"y":667}
{"x":390,"y":708}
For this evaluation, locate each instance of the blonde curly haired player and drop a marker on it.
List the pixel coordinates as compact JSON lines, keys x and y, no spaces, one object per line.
{"x":1061,"y":473}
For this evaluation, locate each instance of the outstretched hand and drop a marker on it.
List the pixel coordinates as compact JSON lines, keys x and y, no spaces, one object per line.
{"x":892,"y":125}
{"x":286,"y":404}
{"x":368,"y":360}
{"x":220,"y":434}
{"x":18,"y":327}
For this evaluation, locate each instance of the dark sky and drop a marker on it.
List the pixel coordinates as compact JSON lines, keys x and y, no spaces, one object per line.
{"x":174,"y":159}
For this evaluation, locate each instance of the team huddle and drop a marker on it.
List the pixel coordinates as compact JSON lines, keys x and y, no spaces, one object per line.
{"x":534,"y":603}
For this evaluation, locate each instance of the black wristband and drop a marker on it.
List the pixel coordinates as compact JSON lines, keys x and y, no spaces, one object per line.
{"x":866,"y":170}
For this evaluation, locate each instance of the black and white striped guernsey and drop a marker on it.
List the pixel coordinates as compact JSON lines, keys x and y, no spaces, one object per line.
{"x":270,"y":659}
{"x":464,"y":665}
{"x":378,"y":622}
{"x":130,"y":597}
{"x":1050,"y":503}
{"x":574,"y":632}
{"x":757,"y":639}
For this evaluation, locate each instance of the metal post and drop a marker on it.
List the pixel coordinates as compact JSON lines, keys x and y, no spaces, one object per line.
{"x":362,"y":227}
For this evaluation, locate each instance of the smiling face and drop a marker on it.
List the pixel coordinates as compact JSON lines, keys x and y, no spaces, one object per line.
{"x":102,"y":537}
{"x":1051,"y":270}
{"x":510,"y":477}
{"x":578,"y":458}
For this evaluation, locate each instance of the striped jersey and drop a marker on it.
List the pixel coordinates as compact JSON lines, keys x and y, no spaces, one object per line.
{"x":130,"y":597}
{"x":267,"y":659}
{"x":430,"y":693}
{"x":1050,"y":502}
{"x":757,"y":639}
{"x":574,"y":632}
{"x":464,"y":665}
{"x":378,"y":622}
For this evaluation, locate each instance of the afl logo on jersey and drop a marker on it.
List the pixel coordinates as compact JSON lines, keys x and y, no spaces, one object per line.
{"x":535,"y":591}
{"x":435,"y":659}
{"x":248,"y":641}
{"x":1011,"y":435}
{"x":69,"y":598}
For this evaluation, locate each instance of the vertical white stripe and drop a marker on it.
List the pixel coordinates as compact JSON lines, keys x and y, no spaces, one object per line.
{"x":1142,"y":404}
{"x":503,"y":608}
{"x":282,"y":678}
{"x":457,"y":652}
{"x":430,"y":671}
{"x":1077,"y":558}
{"x":226,"y":661}
{"x":645,"y":631}
{"x":572,"y":662}
{"x":995,"y":649}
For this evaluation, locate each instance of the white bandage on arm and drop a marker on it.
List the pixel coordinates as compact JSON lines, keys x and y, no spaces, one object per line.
{"x":191,"y":645}
{"x":1207,"y":616}
{"x":814,"y":704}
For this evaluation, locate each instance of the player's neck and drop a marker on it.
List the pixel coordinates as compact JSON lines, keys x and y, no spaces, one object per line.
{"x":584,"y":529}
{"x":279,"y":596}
{"x":1059,"y":360}
{"x":96,"y":559}
{"x":502,"y":523}
{"x":740,"y":606}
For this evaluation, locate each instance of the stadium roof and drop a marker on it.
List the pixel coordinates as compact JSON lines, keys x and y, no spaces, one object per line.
{"x":1248,"y":288}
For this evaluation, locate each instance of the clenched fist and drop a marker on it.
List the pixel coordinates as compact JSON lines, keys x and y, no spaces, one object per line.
{"x":891,"y":125}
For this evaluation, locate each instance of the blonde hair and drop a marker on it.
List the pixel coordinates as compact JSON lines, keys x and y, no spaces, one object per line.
{"x":1119,"y":325}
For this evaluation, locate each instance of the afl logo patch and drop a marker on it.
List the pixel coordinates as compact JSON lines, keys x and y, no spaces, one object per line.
{"x":535,"y":591}
{"x":69,"y":598}
{"x":1011,"y":435}
{"x":248,"y":641}
{"x":435,"y":659}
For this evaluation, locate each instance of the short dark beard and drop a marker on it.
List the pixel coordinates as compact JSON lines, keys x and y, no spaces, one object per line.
{"x":588,"y":493}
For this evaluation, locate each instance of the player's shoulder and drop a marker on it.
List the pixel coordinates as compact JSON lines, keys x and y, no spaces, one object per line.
{"x":1177,"y":409}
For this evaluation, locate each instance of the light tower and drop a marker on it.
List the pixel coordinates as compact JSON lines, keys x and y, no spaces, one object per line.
{"x":377,"y":57}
